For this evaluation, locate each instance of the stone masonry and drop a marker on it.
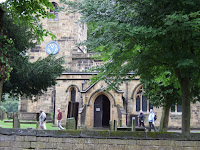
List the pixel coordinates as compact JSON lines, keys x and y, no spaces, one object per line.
{"x":50,"y":140}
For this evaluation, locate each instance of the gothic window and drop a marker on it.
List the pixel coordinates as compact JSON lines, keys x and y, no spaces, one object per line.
{"x":176,"y":108}
{"x":179,"y":108}
{"x":73,"y":95}
{"x":55,"y":11}
{"x":141,"y":101}
{"x":138,"y":103}
{"x":144,"y":103}
{"x":173,"y":108}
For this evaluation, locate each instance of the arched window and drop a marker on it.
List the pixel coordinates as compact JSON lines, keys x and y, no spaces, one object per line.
{"x":141,"y":101}
{"x":73,"y":95}
{"x":55,"y":11}
{"x":176,"y":108}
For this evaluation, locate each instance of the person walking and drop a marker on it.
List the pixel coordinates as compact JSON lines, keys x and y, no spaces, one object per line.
{"x":141,"y":119}
{"x":59,"y":118}
{"x":151,"y":120}
{"x":42,"y":120}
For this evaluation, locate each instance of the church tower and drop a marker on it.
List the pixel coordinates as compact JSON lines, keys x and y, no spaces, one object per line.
{"x":69,"y":33}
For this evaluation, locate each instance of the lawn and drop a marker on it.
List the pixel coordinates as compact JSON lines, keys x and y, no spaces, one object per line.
{"x":25,"y":126}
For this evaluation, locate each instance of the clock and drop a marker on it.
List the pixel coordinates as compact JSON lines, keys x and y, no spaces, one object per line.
{"x":52,"y":48}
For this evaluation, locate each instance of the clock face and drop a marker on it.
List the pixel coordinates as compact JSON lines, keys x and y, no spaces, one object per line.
{"x":52,"y":48}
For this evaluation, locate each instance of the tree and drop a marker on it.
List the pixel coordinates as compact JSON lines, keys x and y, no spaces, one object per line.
{"x":166,"y":32}
{"x":28,"y":78}
{"x":31,"y":79}
{"x":30,"y":13}
{"x":24,"y":12}
{"x":162,"y":91}
{"x":9,"y":104}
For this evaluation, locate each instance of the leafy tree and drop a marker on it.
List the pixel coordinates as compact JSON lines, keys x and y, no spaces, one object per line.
{"x":156,"y":33}
{"x":162,"y":92}
{"x":30,"y":13}
{"x":28,"y":78}
{"x":2,"y":108}
{"x":10,"y":106}
{"x":33,"y":78}
{"x":24,"y":12}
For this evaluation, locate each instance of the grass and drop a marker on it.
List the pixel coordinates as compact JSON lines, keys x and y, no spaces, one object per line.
{"x":25,"y":126}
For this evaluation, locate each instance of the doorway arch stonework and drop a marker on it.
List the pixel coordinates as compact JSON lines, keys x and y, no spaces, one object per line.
{"x":90,"y":107}
{"x":101,"y":111}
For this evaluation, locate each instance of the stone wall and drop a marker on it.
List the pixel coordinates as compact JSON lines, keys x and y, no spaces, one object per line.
{"x":18,"y":139}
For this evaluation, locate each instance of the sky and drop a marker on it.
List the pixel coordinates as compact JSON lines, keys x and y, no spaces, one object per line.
{"x":2,"y":1}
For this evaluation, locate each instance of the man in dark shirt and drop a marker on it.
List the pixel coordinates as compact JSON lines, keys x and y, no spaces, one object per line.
{"x":59,"y":118}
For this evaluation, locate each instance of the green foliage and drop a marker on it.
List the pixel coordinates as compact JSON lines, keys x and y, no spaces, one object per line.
{"x":30,"y":13}
{"x":138,"y":36}
{"x":22,"y":36}
{"x":26,"y":13}
{"x":5,"y":68}
{"x":161,"y":95}
{"x":143,"y":35}
{"x":33,"y":78}
{"x":10,"y":106}
{"x":2,"y":108}
{"x":28,"y":78}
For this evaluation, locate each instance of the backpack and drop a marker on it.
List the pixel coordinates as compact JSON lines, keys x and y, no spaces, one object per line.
{"x":155,"y":117}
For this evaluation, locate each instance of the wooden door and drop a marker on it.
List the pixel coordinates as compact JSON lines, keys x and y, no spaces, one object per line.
{"x":98,"y":112}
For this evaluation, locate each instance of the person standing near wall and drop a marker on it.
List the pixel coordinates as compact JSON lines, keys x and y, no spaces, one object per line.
{"x":59,"y":118}
{"x":141,"y":119}
{"x":42,"y":120}
{"x":151,"y":120}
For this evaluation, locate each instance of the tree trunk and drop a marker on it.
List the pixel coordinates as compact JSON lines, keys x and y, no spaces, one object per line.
{"x":165,"y":118}
{"x":1,"y":90}
{"x":1,"y":18}
{"x":1,"y":33}
{"x":185,"y":89}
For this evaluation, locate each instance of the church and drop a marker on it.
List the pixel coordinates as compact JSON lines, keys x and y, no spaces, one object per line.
{"x":95,"y":106}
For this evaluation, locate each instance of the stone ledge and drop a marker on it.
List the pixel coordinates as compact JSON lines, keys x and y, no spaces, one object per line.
{"x":100,"y":134}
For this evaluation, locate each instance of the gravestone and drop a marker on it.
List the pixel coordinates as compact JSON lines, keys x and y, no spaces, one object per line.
{"x":16,"y":122}
{"x":4,"y":114}
{"x":1,"y":115}
{"x":71,"y":124}
{"x":115,"y":125}
{"x":111,"y":125}
{"x":133,"y":124}
{"x":73,"y":111}
{"x":37,"y":119}
{"x":120,"y":123}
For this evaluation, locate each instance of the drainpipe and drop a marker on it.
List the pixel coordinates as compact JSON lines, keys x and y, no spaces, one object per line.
{"x":54,"y":104}
{"x":126,"y":102}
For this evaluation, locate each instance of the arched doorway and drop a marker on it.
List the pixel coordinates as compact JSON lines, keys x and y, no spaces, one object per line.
{"x":101,"y":111}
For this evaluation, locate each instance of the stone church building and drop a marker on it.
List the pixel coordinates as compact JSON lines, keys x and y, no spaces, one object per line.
{"x":96,"y":106}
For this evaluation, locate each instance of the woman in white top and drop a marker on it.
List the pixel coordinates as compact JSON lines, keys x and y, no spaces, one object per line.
{"x":151,"y":120}
{"x":42,"y":120}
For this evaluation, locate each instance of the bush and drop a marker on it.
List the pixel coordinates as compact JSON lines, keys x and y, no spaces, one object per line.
{"x":9,"y":104}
